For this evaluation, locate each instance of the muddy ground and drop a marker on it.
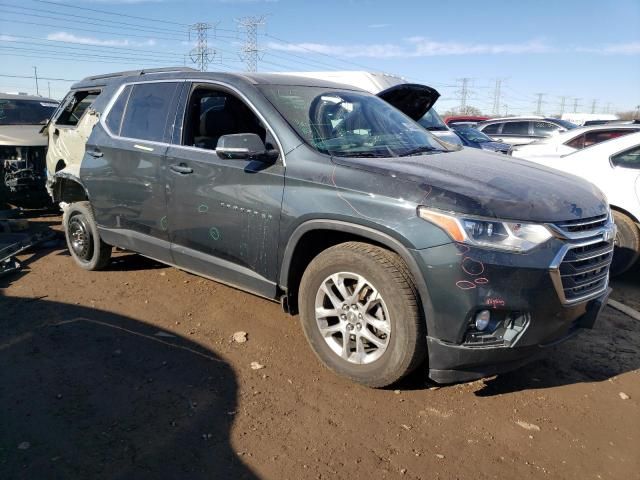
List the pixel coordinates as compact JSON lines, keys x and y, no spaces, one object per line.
{"x":131,"y":373}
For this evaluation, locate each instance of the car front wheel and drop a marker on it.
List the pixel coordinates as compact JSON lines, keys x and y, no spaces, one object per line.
{"x":359,"y":311}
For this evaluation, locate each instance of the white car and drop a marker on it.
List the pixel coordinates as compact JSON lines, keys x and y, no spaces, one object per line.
{"x":572,"y":140}
{"x":614,"y":167}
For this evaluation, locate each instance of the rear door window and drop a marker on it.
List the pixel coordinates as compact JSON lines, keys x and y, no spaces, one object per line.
{"x":628,"y":159}
{"x":544,"y":129}
{"x":114,"y":117}
{"x":577,"y":143}
{"x":516,"y":128}
{"x":76,"y":106}
{"x":147,"y":113}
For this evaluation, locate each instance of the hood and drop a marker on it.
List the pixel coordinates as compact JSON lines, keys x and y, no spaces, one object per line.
{"x":22,"y":135}
{"x":412,"y":99}
{"x":495,"y":146}
{"x":475,"y":182}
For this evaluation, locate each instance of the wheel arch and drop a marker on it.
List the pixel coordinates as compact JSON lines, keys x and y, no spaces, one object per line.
{"x":314,"y":236}
{"x":625,"y":212}
{"x":68,"y":188}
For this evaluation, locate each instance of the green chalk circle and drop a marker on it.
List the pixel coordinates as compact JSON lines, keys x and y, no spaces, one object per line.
{"x":214,"y":233}
{"x":203,"y":208}
{"x":164,"y":223}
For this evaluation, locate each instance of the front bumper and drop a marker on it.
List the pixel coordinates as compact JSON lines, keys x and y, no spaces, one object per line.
{"x":520,"y":293}
{"x":459,"y":363}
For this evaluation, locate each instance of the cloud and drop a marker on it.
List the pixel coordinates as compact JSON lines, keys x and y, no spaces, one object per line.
{"x":412,"y":47}
{"x":631,"y":48}
{"x":122,"y":42}
{"x":415,"y":47}
{"x":8,"y":38}
{"x":379,"y":25}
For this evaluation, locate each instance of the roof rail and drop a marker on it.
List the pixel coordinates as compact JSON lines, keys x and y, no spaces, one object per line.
{"x":133,"y":73}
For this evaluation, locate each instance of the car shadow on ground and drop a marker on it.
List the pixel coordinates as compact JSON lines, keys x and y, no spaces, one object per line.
{"x":85,"y":393}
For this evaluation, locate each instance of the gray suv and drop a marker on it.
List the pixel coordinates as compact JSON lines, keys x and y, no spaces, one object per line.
{"x":392,"y":246}
{"x":523,"y":130}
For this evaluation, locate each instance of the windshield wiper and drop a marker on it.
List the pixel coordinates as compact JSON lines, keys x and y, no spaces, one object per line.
{"x":420,"y":150}
{"x":360,"y":154}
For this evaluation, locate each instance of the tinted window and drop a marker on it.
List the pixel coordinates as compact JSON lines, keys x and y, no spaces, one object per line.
{"x":75,"y":107}
{"x":628,"y":159}
{"x":544,"y":129}
{"x":114,"y":119}
{"x":432,"y":121}
{"x":491,"y":129}
{"x":577,"y":143}
{"x":25,"y":112}
{"x":516,"y":128}
{"x":597,"y":136}
{"x":147,"y":111}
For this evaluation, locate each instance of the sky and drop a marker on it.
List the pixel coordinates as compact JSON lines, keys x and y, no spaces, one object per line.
{"x":585,"y":51}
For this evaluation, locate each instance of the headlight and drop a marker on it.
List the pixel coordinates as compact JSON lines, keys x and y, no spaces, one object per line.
{"x":488,"y":233}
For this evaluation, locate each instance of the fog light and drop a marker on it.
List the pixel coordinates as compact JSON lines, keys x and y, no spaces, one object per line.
{"x":482,"y":319}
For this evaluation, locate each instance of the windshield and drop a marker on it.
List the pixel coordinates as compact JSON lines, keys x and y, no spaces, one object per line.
{"x":25,"y":112}
{"x":349,"y":124}
{"x":432,"y":121}
{"x":566,"y":124}
{"x":472,"y":135}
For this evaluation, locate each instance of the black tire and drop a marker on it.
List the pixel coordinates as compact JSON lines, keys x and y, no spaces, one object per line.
{"x":83,"y":240}
{"x":389,"y":275}
{"x":627,"y":248}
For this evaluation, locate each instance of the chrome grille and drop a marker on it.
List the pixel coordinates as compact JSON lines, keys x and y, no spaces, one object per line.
{"x":582,"y":267}
{"x":585,"y":270}
{"x":585,"y":226}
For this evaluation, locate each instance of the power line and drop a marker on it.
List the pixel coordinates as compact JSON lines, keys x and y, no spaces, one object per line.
{"x":576,"y":102}
{"x":463,"y":94}
{"x":250,"y":51}
{"x":117,"y":14}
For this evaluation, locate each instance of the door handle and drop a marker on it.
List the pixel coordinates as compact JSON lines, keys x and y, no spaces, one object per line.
{"x":96,"y":153}
{"x":181,"y":168}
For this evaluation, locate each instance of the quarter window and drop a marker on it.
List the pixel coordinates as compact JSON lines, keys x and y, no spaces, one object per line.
{"x":516,"y":128}
{"x":597,"y":136}
{"x":491,"y":128}
{"x":577,"y":143}
{"x":628,"y":159}
{"x":75,"y":107}
{"x":544,"y":129}
{"x":146,"y":114}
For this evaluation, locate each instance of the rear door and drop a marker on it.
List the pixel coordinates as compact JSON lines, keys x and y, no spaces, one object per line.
{"x":515,"y":133}
{"x":124,"y":167}
{"x":224,"y":214}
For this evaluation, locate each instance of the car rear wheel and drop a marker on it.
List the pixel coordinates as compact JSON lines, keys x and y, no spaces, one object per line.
{"x":359,"y":311}
{"x":83,"y":240}
{"x":627,"y":244}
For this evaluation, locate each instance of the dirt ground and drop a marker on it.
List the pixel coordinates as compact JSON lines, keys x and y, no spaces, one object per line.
{"x":131,"y":373}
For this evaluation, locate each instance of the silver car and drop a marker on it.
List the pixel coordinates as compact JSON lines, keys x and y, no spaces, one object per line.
{"x":523,"y":130}
{"x":23,"y":148}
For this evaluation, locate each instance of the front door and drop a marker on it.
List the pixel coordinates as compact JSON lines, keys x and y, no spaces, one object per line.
{"x":223,"y":214}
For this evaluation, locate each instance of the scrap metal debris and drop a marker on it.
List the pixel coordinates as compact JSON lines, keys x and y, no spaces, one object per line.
{"x":16,"y":236}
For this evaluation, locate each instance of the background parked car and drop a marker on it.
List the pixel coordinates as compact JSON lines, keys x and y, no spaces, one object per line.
{"x":464,"y":120}
{"x":573,"y":140}
{"x":23,"y":148}
{"x":614,"y":167}
{"x":474,"y":138}
{"x":522,"y":130}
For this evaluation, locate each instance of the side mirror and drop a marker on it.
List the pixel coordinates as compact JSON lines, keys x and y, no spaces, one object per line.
{"x":242,"y":146}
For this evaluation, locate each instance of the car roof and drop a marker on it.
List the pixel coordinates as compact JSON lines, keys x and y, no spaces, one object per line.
{"x":576,"y":132}
{"x":530,"y":117}
{"x":36,"y":98}
{"x":183,"y":73}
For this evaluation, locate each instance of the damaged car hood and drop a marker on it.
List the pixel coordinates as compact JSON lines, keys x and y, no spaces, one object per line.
{"x":22,"y":135}
{"x":480,"y":183}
